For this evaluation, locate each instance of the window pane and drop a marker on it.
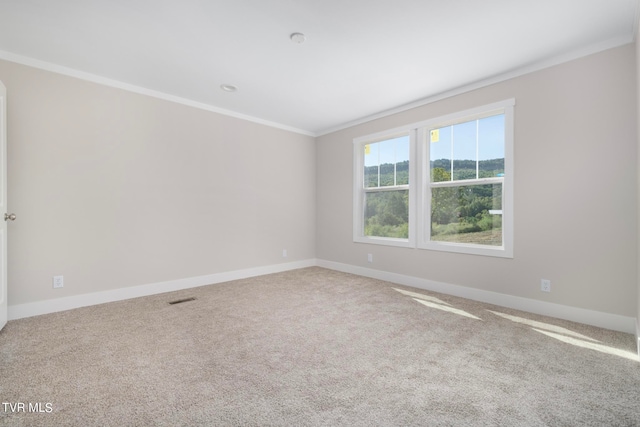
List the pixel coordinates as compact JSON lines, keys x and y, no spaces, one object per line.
{"x":386,"y":163}
{"x":440,"y":153}
{"x":387,"y":214}
{"x":467,"y":214}
{"x":464,"y":151}
{"x":468,"y":150}
{"x":371,"y":162}
{"x":402,"y":161}
{"x":491,"y":146}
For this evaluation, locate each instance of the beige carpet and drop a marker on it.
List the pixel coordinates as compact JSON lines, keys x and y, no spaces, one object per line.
{"x":313,"y":347}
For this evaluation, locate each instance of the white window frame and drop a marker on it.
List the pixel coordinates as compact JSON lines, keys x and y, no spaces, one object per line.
{"x":420,"y":185}
{"x":424,"y":198}
{"x":360,"y":191}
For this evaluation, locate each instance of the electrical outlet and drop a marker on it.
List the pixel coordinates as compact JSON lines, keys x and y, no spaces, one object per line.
{"x":545,"y":285}
{"x":284,"y":253}
{"x":58,"y":282}
{"x":370,"y":257}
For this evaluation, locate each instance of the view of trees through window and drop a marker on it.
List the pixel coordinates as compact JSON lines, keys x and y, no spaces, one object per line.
{"x":386,"y":181}
{"x":462,"y":210}
{"x":467,"y":214}
{"x":466,"y":171}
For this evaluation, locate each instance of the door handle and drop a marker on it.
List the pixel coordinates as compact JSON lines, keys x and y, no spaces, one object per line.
{"x":9,"y":217}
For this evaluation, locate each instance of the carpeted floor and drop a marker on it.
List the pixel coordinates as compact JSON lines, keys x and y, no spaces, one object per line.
{"x":313,"y":347}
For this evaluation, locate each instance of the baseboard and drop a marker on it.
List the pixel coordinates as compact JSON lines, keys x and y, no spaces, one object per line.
{"x":589,"y":317}
{"x":603,"y":320}
{"x":638,"y":334}
{"x":67,"y":303}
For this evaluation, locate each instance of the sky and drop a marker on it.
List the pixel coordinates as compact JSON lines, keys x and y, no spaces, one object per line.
{"x":490,"y":143}
{"x":490,"y":140}
{"x":389,"y":151}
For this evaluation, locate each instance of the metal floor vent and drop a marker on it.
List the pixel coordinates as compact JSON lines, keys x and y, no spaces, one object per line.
{"x":178,"y":301}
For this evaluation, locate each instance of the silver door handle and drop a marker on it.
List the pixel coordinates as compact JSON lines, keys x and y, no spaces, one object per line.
{"x":9,"y":217}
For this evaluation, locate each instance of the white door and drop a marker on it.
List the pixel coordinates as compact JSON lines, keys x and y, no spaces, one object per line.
{"x":3,"y":206}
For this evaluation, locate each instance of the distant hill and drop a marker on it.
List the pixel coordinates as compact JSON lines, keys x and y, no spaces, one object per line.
{"x":462,"y":169}
{"x":455,"y":211}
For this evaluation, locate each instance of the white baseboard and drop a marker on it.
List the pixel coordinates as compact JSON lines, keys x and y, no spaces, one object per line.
{"x":589,"y":317}
{"x":19,"y":311}
{"x":638,"y":334}
{"x":595,"y":318}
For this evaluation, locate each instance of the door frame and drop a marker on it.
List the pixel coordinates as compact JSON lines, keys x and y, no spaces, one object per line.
{"x":4,"y":309}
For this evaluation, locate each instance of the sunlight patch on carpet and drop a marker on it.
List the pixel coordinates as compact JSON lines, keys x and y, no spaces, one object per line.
{"x":421,"y":296}
{"x":447,"y":308}
{"x":591,"y":345}
{"x":542,"y":325}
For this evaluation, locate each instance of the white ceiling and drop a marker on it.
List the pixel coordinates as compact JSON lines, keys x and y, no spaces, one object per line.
{"x":361,"y":58}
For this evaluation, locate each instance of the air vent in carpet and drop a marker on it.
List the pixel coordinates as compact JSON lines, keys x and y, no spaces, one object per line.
{"x":178,"y":301}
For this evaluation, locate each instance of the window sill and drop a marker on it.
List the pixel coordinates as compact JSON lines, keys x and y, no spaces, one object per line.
{"x":385,"y":241}
{"x":484,"y":250}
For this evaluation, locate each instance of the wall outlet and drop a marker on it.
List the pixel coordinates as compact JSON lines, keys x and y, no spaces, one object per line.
{"x":369,"y":257}
{"x":58,"y":282}
{"x":545,"y":285}
{"x":284,"y":253}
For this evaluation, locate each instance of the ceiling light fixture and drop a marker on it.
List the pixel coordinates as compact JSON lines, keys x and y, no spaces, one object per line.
{"x":228,"y":88}
{"x":298,"y":38}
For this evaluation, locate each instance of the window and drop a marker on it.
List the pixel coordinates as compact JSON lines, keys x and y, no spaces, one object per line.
{"x":458,"y":197}
{"x":383,"y":189}
{"x":465,"y":205}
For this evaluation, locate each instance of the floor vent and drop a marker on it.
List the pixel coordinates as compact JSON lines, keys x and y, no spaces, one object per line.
{"x":178,"y":301}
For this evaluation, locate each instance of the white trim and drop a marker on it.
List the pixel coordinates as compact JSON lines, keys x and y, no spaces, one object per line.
{"x":540,"y":65}
{"x":473,"y":113}
{"x":638,"y":334}
{"x":4,"y":283}
{"x":469,"y":182}
{"x":589,"y":317}
{"x":419,"y":182}
{"x":574,"y":314}
{"x":505,"y":107}
{"x":67,"y":303}
{"x":59,"y":69}
{"x":359,"y":191}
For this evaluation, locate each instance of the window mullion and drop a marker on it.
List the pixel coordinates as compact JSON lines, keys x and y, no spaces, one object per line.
{"x":477,"y":148}
{"x":387,"y":188}
{"x":378,"y":167}
{"x":451,"y":177}
{"x":395,"y":164}
{"x":467,"y":182}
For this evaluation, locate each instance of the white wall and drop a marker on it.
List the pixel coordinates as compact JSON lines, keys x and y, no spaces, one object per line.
{"x":575,"y":190}
{"x":113,"y":189}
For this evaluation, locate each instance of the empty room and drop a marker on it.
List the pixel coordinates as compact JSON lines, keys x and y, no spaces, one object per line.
{"x":319,"y":213}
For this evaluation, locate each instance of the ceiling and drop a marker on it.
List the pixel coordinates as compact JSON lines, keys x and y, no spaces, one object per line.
{"x":361,"y":58}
